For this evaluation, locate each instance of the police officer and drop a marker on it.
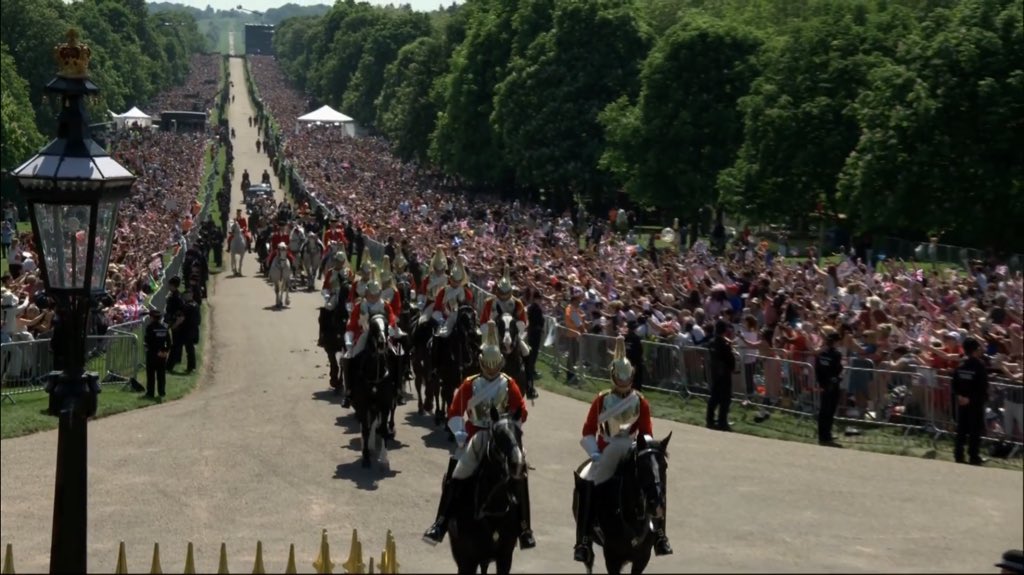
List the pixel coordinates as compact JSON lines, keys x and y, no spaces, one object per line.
{"x":723,"y":362}
{"x":158,"y":345}
{"x":827,"y":369}
{"x":970,"y":384}
{"x":185,"y":334}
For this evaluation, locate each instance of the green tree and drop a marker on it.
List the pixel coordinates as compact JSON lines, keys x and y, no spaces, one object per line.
{"x":686,"y":127}
{"x":942,"y":134}
{"x":405,"y":111}
{"x":546,"y":109}
{"x":464,"y":141}
{"x":384,"y":40}
{"x":19,"y":138}
{"x":799,"y":121}
{"x":31,"y":28}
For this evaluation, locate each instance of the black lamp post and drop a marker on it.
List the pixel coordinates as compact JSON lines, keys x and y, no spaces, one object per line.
{"x":73,"y":189}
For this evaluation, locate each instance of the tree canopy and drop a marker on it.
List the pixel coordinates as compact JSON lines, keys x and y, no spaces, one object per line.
{"x":135,"y":56}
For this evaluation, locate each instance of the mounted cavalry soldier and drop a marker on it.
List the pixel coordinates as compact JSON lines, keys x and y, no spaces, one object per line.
{"x":356,"y":330}
{"x":433,"y":284}
{"x":358,"y":289}
{"x":277,"y":239}
{"x":469,"y":418}
{"x":389,"y":291}
{"x":506,"y":303}
{"x":335,"y":234}
{"x":448,"y":300}
{"x":404,"y":282}
{"x":334,"y":317}
{"x":616,"y":418}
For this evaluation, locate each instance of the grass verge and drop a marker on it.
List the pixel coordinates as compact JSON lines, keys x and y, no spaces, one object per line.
{"x":780,"y":425}
{"x":28,"y":413}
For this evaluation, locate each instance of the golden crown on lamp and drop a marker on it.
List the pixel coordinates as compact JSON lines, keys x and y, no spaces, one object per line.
{"x":72,"y":57}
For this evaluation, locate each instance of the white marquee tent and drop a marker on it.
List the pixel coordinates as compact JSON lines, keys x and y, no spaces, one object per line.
{"x":327,"y":115}
{"x":132,"y":117}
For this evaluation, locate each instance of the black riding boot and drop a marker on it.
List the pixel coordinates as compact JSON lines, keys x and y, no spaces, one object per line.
{"x":346,"y":398}
{"x":435,"y":534}
{"x":526,"y":540}
{"x":661,"y":544}
{"x":584,"y":545}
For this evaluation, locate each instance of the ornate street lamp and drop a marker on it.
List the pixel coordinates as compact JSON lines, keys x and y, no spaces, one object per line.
{"x":73,"y":189}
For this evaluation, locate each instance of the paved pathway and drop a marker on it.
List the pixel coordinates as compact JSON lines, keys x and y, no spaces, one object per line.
{"x":262,"y":451}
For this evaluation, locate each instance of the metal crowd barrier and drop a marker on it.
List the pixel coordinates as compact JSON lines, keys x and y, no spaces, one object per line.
{"x":113,"y":356}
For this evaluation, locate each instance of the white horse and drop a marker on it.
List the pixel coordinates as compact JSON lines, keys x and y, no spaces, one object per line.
{"x":296,"y":238}
{"x":280,"y":274}
{"x":310,"y":257}
{"x":237,"y":248}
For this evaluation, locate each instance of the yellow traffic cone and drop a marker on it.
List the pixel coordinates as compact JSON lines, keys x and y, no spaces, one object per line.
{"x":155,"y":568}
{"x":355,"y":555}
{"x":8,"y":560}
{"x":122,"y":561}
{"x":258,"y":566}
{"x":323,"y":563}
{"x":370,"y":571}
{"x":222,"y":565}
{"x":190,"y":560}
{"x":392,"y":553}
{"x":290,"y":569}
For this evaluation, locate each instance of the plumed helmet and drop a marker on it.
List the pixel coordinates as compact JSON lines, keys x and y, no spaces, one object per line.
{"x":621,"y":369}
{"x":367,"y":261}
{"x":459,"y":272}
{"x":341,"y":258}
{"x":373,"y":286}
{"x":490,"y":351}
{"x":400,"y":262}
{"x":504,"y":286}
{"x":438,"y":263}
{"x":385,"y":272}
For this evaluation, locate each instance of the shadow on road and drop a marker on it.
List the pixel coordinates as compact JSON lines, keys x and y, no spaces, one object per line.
{"x":349,"y":422}
{"x":366,"y":479}
{"x":274,"y":308}
{"x":328,"y":395}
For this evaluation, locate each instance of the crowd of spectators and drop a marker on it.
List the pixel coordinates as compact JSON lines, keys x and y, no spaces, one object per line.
{"x":895,"y":314}
{"x":151,"y":222}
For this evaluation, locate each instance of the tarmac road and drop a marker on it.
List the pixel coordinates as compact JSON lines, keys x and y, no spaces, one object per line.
{"x":262,"y":451}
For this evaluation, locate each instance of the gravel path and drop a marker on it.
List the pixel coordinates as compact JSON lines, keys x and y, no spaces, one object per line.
{"x":262,"y":451}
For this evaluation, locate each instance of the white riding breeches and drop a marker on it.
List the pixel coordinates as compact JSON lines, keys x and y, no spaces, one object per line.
{"x":471,"y":455}
{"x":604,"y":468}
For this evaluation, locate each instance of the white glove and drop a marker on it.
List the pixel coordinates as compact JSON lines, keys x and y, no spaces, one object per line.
{"x":348,"y":307}
{"x":460,"y":438}
{"x":595,"y":456}
{"x":438,"y":317}
{"x":348,"y":338}
{"x":589,"y":444}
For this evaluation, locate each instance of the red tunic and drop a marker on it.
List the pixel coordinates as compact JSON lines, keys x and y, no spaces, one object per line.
{"x":334,"y":235}
{"x":275,"y":239}
{"x":439,"y":300}
{"x":460,"y":402}
{"x":642,"y":425}
{"x":520,"y":310}
{"x":396,"y":300}
{"x":353,"y":320}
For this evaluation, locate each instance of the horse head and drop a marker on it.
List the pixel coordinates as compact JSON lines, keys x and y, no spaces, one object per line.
{"x":235,"y":229}
{"x":508,"y":329}
{"x":504,"y":449}
{"x":377,"y":334}
{"x":650,"y":461}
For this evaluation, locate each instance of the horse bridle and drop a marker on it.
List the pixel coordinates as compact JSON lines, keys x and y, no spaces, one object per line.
{"x":651,"y":453}
{"x":507,"y":475}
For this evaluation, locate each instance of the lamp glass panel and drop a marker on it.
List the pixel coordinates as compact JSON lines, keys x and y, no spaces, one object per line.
{"x":63,"y":243}
{"x":106,"y":222}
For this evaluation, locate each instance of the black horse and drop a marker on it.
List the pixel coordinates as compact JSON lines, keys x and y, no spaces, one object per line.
{"x":370,"y":380}
{"x":485,"y":522}
{"x":263,"y":249}
{"x":458,"y":358}
{"x":515,"y":362}
{"x":630,"y":501}
{"x":422,"y":332}
{"x":332,"y":339}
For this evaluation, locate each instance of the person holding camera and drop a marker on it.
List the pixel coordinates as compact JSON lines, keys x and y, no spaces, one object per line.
{"x":828,"y":367}
{"x":970,"y":384}
{"x":158,"y":346}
